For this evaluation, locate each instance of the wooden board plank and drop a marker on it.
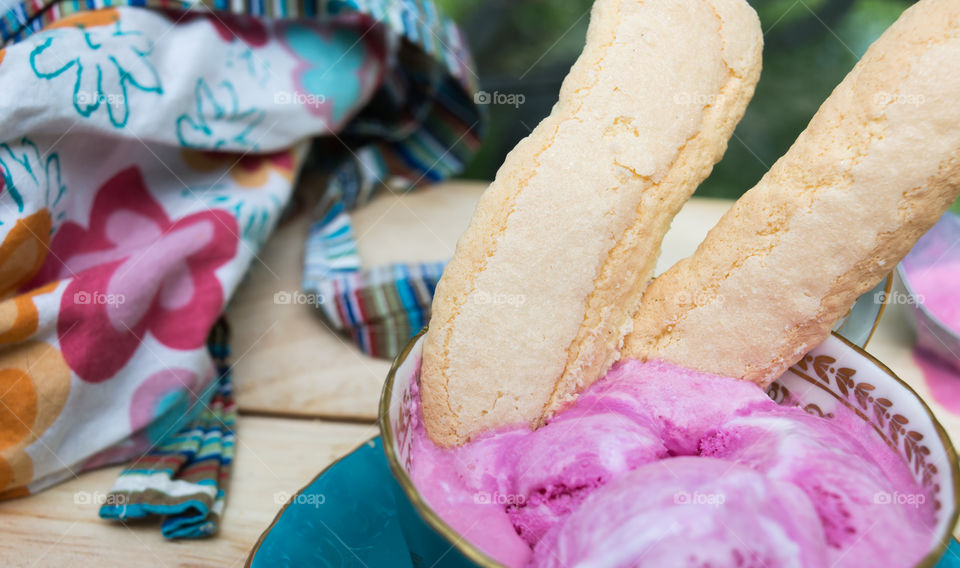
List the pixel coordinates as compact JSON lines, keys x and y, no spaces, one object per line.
{"x":60,"y":527}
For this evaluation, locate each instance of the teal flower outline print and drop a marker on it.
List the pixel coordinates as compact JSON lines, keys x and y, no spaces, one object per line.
{"x":218,"y":122}
{"x":24,"y":171}
{"x":105,"y":63}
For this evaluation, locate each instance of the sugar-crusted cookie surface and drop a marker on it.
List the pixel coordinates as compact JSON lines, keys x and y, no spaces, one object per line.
{"x":536,"y":301}
{"x":876,"y":167}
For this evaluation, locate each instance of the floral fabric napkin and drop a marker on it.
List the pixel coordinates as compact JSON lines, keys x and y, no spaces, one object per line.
{"x":148,"y":149}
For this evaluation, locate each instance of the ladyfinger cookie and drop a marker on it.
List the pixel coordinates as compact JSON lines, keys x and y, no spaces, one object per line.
{"x":535,"y":303}
{"x":876,"y":167}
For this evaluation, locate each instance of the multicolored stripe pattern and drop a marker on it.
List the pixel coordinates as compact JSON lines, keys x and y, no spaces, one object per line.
{"x":334,"y":235}
{"x":184,"y":479}
{"x":433,"y":131}
{"x":379,"y":308}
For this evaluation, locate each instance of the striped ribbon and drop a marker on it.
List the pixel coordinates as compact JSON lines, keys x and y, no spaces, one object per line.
{"x":184,"y":478}
{"x":434,"y":129}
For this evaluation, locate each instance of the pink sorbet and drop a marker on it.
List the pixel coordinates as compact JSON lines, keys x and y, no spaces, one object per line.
{"x":657,"y":465}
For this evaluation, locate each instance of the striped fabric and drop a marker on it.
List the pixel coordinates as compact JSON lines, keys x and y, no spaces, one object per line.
{"x":333,"y":233}
{"x":184,"y":478}
{"x":382,"y":307}
{"x":434,"y":129}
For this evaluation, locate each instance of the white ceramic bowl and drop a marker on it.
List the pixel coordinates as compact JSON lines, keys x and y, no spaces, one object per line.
{"x":835,"y":373}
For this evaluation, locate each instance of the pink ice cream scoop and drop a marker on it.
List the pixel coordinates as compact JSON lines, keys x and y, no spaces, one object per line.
{"x":604,"y":480}
{"x":856,"y":483}
{"x":689,"y":511}
{"x":612,"y":429}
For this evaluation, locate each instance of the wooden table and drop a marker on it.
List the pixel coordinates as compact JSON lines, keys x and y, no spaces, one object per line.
{"x":307,"y":396}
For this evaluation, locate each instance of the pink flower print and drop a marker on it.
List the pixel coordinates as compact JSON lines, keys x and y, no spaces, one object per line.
{"x":162,"y":401}
{"x":136,"y":271}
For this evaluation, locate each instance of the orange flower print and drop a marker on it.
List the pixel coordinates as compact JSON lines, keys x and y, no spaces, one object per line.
{"x":22,"y":253}
{"x":248,"y":170}
{"x":35,"y":383}
{"x":19,"y":317}
{"x":91,"y":19}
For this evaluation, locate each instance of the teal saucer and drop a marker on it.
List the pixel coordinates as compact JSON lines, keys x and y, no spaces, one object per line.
{"x":347,"y":516}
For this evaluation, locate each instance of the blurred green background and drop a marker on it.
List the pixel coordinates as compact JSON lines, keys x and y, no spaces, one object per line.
{"x":526,"y":47}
